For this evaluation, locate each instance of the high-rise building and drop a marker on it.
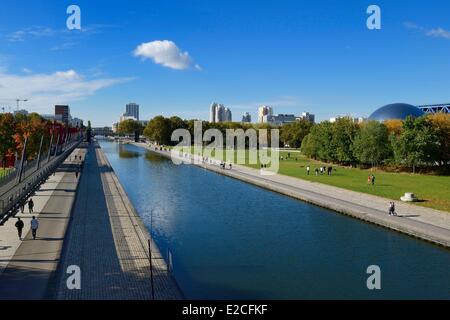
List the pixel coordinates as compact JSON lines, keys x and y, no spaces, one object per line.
{"x":212,"y":112}
{"x":228,"y":115}
{"x":218,"y":113}
{"x":132,"y":110}
{"x":246,"y":117}
{"x":64,"y":112}
{"x":264,"y":111}
{"x":308,"y":117}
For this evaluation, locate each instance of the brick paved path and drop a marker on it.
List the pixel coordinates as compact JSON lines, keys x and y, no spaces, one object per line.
{"x":108,"y":241}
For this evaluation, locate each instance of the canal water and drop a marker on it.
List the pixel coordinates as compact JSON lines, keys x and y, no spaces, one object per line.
{"x":232,"y":240}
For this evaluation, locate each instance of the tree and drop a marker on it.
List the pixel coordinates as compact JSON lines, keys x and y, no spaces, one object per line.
{"x":32,"y":127}
{"x":371,"y":144}
{"x":177,"y":123}
{"x":159,"y":130}
{"x":318,"y":143}
{"x":129,"y":127}
{"x":417,"y":144}
{"x":293,"y":134}
{"x":344,"y":132}
{"x":441,"y":124}
{"x":394,"y":126}
{"x":7,"y":131}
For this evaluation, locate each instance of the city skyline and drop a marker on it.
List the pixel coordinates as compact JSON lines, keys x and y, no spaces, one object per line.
{"x":120,"y":55}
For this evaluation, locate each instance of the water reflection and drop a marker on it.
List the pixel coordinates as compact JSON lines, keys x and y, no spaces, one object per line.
{"x":232,"y":240}
{"x":152,"y":157}
{"x":126,"y":153}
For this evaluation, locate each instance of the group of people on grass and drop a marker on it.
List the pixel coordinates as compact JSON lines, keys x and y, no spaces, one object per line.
{"x":371,"y":179}
{"x":321,"y":170}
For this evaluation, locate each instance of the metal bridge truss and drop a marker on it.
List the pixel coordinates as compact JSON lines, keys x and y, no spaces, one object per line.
{"x":436,"y":108}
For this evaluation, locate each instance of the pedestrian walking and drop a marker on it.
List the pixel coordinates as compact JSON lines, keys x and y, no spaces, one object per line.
{"x":19,"y":225}
{"x":307,"y":170}
{"x":393,"y":209}
{"x":31,"y":206}
{"x":373,"y":180}
{"x":76,"y":173}
{"x":22,"y":206}
{"x":34,"y":227}
{"x":369,"y":179}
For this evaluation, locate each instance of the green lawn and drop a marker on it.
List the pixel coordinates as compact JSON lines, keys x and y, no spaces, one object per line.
{"x":433,"y":191}
{"x":3,"y":172}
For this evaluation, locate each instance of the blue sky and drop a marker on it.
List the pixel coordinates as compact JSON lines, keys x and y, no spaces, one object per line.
{"x":297,"y":56}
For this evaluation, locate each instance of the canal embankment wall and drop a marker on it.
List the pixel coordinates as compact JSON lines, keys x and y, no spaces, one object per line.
{"x":419,"y":222}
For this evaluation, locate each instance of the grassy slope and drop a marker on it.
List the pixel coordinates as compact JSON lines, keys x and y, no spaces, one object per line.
{"x":433,"y":191}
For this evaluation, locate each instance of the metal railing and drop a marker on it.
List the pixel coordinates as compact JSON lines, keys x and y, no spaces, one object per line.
{"x":12,"y":193}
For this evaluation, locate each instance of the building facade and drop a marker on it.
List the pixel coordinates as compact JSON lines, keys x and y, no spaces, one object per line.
{"x":132,"y":110}
{"x":102,"y":131}
{"x":279,"y":119}
{"x":219,"y":113}
{"x":246,"y":117}
{"x":308,"y":117}
{"x":264,"y":111}
{"x":64,"y":112}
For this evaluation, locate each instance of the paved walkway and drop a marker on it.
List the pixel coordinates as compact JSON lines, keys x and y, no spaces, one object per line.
{"x":424,"y":223}
{"x":26,"y":267}
{"x":109,"y":243}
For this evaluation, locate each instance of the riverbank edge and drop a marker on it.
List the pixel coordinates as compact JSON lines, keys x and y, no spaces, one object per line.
{"x":142,"y":232}
{"x":395,"y":225}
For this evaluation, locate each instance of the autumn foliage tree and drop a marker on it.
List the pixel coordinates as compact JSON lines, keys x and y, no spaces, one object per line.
{"x":7,"y":132}
{"x":15,"y":129}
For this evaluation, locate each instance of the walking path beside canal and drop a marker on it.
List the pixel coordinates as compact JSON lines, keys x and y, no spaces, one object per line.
{"x":109,"y":243}
{"x":87,"y":222}
{"x":424,"y":223}
{"x":27,"y":267}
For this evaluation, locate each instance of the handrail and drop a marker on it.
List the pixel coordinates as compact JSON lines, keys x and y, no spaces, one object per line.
{"x":12,"y":195}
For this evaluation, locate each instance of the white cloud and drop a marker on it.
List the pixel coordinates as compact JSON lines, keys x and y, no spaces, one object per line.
{"x":165,"y":53}
{"x":45,"y":90}
{"x":33,"y":32}
{"x":434,"y":33}
{"x":61,"y":39}
{"x":439,"y":33}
